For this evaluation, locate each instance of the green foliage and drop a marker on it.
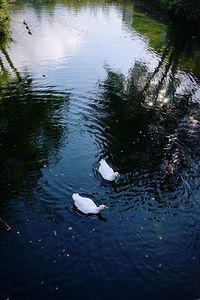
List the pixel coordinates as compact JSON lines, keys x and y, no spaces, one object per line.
{"x":4,"y":18}
{"x":190,"y":10}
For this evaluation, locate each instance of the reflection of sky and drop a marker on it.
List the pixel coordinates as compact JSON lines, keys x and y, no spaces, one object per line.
{"x":50,"y":41}
{"x":72,"y":48}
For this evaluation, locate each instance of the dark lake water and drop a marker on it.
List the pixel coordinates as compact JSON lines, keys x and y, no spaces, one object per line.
{"x":84,"y":81}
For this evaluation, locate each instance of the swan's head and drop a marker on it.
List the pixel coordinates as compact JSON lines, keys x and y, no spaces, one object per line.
{"x":116,"y":174}
{"x":102,"y":206}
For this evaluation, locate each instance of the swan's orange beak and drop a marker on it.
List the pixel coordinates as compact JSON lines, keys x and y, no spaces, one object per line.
{"x":106,"y":206}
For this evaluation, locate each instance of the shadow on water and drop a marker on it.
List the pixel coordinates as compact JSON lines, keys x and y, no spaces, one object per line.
{"x":89,"y":216}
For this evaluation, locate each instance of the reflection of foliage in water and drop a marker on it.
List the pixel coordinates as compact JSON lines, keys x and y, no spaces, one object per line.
{"x":31,"y":133}
{"x":190,"y":10}
{"x":163,"y":37}
{"x":154,"y":30}
{"x":51,"y":4}
{"x":159,"y":34}
{"x":145,"y":123}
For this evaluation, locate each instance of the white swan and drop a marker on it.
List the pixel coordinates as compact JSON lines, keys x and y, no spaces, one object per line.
{"x":86,"y":205}
{"x":106,"y":171}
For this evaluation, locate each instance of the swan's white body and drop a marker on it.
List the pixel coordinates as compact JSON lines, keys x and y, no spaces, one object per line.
{"x":86,"y":205}
{"x":106,"y":171}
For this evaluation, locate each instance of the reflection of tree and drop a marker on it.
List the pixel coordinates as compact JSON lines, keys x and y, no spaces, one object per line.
{"x":177,"y":40}
{"x":144,"y":121}
{"x":51,"y":4}
{"x":31,"y":132}
{"x":10,"y":63}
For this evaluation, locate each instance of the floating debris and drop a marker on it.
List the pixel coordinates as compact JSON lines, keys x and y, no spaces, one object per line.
{"x":4,"y":225}
{"x":70,"y":228}
{"x":18,"y":232}
{"x":160,"y":237}
{"x":55,"y":233}
{"x":159,"y":265}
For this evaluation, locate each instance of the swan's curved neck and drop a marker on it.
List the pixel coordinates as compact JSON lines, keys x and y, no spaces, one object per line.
{"x":99,"y":208}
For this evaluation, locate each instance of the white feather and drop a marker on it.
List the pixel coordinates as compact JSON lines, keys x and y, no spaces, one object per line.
{"x":106,"y":171}
{"x":86,"y":205}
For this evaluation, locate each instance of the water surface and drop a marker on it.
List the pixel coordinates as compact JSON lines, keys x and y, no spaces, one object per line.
{"x":94,"y":80}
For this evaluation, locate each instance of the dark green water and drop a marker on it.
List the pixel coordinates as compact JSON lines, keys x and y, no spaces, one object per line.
{"x":111,"y":80}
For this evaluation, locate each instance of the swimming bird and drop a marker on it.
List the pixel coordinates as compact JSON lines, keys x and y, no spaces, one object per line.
{"x":192,"y":120}
{"x":86,"y":205}
{"x":29,"y":81}
{"x":169,"y":168}
{"x":106,"y":171}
